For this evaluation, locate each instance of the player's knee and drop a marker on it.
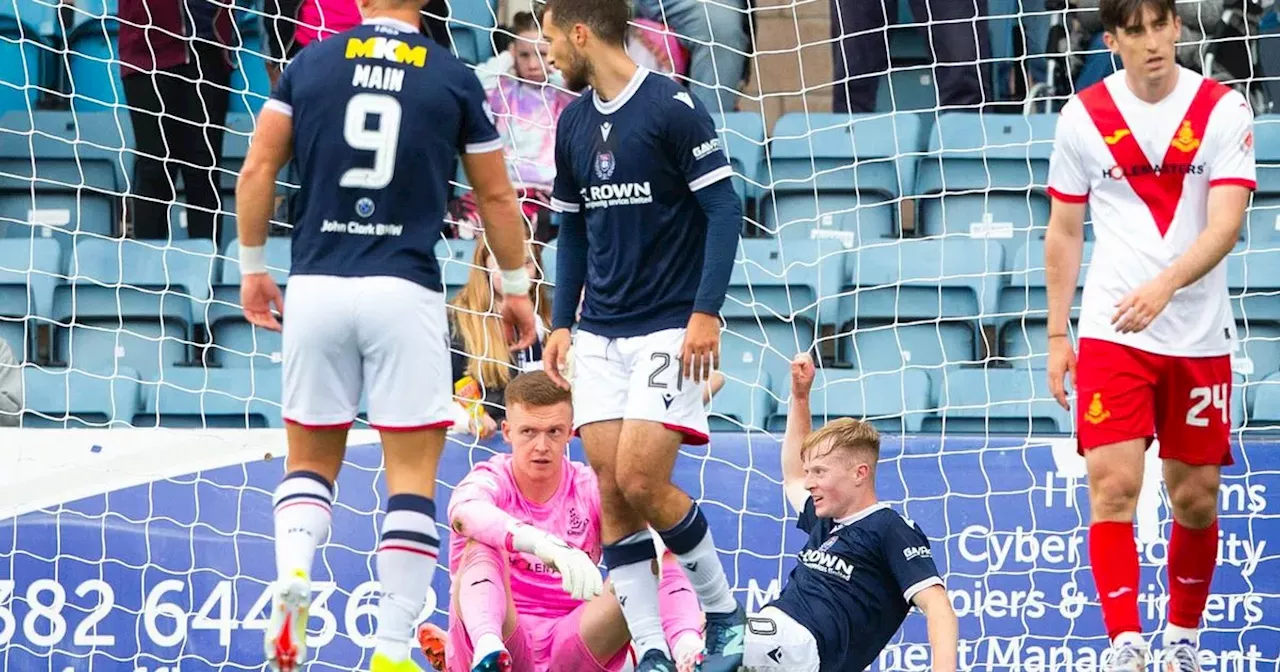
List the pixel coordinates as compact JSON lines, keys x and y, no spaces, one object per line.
{"x":1194,"y":507}
{"x":640,"y":490}
{"x":1115,"y":496}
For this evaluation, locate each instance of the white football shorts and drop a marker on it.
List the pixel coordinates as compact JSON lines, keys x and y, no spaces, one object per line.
{"x":774,"y":642}
{"x":386,"y":336}
{"x":637,"y":378}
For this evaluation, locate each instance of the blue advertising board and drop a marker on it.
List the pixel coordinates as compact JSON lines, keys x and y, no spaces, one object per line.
{"x":172,"y":573}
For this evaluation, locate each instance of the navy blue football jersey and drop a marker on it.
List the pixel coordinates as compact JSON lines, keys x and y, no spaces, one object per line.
{"x":632,"y":166}
{"x":380,"y":114}
{"x":856,"y":576}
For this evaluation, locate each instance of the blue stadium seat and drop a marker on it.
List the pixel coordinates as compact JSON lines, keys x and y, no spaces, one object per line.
{"x":1262,"y":230}
{"x":236,"y":343}
{"x":743,"y":138}
{"x":895,"y":402}
{"x":249,"y":83}
{"x":759,"y":347}
{"x":455,"y":256}
{"x":907,"y":88}
{"x":920,"y":303}
{"x":197,"y":397}
{"x":21,"y":52}
{"x":984,"y":177}
{"x":94,"y":66}
{"x":74,"y":183}
{"x":1265,"y":415}
{"x":1253,"y":280}
{"x":76,"y":398}
{"x":820,"y":166}
{"x":39,"y":16}
{"x":131,"y":302}
{"x":471,"y":25}
{"x":1239,"y":393}
{"x":786,"y":280}
{"x":29,"y":270}
{"x":744,"y":403}
{"x":1021,"y":328}
{"x":997,"y":401}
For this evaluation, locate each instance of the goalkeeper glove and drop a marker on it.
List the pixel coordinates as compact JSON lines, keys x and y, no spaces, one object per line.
{"x":580,"y":577}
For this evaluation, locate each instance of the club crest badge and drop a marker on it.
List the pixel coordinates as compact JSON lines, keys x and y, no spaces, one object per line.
{"x":605,"y":164}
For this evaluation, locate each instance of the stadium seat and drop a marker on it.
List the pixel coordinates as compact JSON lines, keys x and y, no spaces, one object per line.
{"x":1262,"y":230}
{"x":131,"y":302}
{"x":455,"y":256}
{"x":29,"y":270}
{"x":74,"y":183}
{"x":236,"y":343}
{"x":907,"y":89}
{"x":786,"y":280}
{"x":76,"y":397}
{"x":894,"y":402}
{"x":743,"y":138}
{"x":21,"y":52}
{"x":761,"y":347}
{"x":471,"y":26}
{"x":249,"y":84}
{"x":920,"y":303}
{"x":998,"y":401}
{"x":984,"y":176}
{"x":198,"y":397}
{"x":39,"y":16}
{"x":744,"y":403}
{"x":1021,"y":327}
{"x":1239,"y":409}
{"x":93,"y":65}
{"x":820,"y":166}
{"x":1253,"y":280}
{"x":1265,"y":414}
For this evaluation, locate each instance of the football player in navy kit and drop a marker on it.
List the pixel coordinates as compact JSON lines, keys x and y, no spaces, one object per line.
{"x":863,"y":567}
{"x":649,"y":228}
{"x":374,"y":118}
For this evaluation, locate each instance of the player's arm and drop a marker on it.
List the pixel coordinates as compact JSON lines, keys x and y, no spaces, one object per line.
{"x":474,"y":512}
{"x":1064,"y":240}
{"x":799,"y":426}
{"x":693,"y":141}
{"x":571,"y":255}
{"x":942,"y":625}
{"x":504,"y":230}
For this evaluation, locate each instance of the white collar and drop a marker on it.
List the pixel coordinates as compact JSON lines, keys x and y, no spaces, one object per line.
{"x":859,"y":515}
{"x":609,"y":107}
{"x":391,"y":23}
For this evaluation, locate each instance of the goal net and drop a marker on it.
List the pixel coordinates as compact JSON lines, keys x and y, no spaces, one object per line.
{"x":902,"y":245}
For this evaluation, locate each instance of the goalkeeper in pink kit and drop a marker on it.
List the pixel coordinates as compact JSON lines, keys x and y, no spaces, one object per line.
{"x":524,"y":551}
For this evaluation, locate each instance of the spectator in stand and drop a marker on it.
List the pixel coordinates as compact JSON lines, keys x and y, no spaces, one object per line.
{"x":175,"y":69}
{"x":482,"y":363}
{"x":1032,"y":19}
{"x":955,"y":35}
{"x":715,"y":34}
{"x":293,"y":24}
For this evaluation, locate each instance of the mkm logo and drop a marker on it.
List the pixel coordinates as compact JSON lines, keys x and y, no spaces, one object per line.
{"x":388,"y":49}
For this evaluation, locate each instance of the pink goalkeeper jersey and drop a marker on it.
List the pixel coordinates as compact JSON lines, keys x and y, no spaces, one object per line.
{"x":572,"y":513}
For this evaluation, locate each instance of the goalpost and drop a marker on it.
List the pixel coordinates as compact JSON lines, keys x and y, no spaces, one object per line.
{"x":902,"y":247}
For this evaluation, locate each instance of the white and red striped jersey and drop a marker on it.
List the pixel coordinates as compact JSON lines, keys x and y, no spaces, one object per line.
{"x":1146,"y":170}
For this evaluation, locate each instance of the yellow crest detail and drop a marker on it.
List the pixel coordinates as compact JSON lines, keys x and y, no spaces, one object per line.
{"x":1096,"y":412}
{"x":1186,"y":140}
{"x":1116,"y":137}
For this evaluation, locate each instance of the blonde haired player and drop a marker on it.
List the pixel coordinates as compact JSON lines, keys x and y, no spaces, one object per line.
{"x":1163,"y":158}
{"x":374,"y":118}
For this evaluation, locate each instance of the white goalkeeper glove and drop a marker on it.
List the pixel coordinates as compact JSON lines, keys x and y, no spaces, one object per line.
{"x":580,"y":577}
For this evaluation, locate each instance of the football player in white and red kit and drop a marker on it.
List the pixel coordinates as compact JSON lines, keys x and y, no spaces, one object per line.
{"x":524,"y":551}
{"x":1164,"y":159}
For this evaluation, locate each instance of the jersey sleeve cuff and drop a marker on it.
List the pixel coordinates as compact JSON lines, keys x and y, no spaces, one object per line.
{"x":564,"y":206}
{"x":1068,"y":198}
{"x":1251,"y":185}
{"x":710,"y":178}
{"x":279,"y":106}
{"x":918,"y":586}
{"x":483,"y":147}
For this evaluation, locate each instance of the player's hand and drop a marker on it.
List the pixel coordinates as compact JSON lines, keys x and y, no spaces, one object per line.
{"x":258,"y":293}
{"x":518,"y":323}
{"x":1136,"y":311}
{"x":802,"y":374}
{"x":579,"y":576}
{"x":701,"y":351}
{"x":555,"y":355}
{"x":1062,"y":362}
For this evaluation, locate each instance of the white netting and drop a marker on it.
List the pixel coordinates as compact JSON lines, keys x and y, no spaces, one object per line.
{"x":902,"y":246}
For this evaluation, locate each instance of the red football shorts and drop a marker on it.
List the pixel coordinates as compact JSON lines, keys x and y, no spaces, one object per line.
{"x":1124,"y":393}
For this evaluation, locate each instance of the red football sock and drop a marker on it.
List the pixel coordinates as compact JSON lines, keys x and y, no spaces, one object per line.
{"x":1114,"y":556}
{"x":1193,"y":555}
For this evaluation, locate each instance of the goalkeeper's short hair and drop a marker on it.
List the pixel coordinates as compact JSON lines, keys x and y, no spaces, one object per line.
{"x":535,"y":389}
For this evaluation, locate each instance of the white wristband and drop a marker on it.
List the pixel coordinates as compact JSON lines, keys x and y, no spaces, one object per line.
{"x":516,"y":282}
{"x":253,"y":260}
